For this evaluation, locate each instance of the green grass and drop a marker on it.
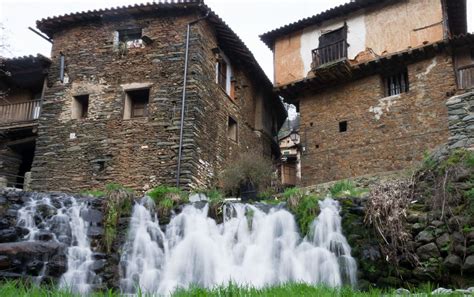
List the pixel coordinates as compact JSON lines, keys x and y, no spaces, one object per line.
{"x":19,"y":289}
{"x":345,"y":188}
{"x":304,"y":207}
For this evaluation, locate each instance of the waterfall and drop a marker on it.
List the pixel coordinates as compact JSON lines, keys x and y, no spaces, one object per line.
{"x":60,"y":221}
{"x":252,"y":247}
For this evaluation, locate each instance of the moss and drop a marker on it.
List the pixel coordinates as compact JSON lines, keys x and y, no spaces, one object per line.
{"x":458,"y":157}
{"x":249,"y":213}
{"x":93,"y":193}
{"x":166,"y":198}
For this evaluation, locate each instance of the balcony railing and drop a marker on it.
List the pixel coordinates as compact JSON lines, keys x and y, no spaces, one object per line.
{"x":466,"y":77}
{"x":20,"y":112}
{"x":332,"y":52}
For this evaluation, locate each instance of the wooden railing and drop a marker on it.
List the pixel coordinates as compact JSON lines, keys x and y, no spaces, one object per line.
{"x":466,"y":77}
{"x":20,"y":112}
{"x":329,"y":53}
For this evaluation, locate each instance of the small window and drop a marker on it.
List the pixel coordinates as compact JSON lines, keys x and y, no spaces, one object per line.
{"x":222,"y":74}
{"x":136,"y":103}
{"x":80,"y":107}
{"x":132,"y":38}
{"x":396,"y":84}
{"x":232,"y":129}
{"x":343,"y":126}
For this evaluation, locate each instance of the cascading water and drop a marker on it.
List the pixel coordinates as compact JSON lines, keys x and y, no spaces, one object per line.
{"x":250,"y":248}
{"x":61,"y":222}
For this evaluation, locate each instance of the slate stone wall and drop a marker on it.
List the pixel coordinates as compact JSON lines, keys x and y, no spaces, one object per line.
{"x":140,"y":153}
{"x":383,"y":133}
{"x":461,"y":120}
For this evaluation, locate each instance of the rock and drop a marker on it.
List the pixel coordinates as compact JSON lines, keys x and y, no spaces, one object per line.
{"x":34,"y":267}
{"x":457,"y":237}
{"x":95,"y":232}
{"x":401,"y":291}
{"x":417,"y":227}
{"x":427,"y":251}
{"x":4,"y":224}
{"x":453,"y":262}
{"x":460,"y":249}
{"x":98,"y":265}
{"x":469,"y":264}
{"x":442,"y":291}
{"x":8,"y":235}
{"x":92,"y":215}
{"x":31,"y":248}
{"x":57,"y":265}
{"x":4,"y":262}
{"x":443,"y":241}
{"x":198,"y":197}
{"x":44,"y":235}
{"x":424,"y":237}
{"x":437,"y":223}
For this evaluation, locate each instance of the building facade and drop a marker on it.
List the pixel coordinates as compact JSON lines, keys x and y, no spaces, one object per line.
{"x":370,"y":80}
{"x":22,"y":82}
{"x":112,"y":108}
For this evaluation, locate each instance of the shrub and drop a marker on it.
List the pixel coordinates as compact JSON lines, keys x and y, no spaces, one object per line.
{"x":166,"y":198}
{"x":345,"y":188}
{"x":248,"y":168}
{"x":305,"y":207}
{"x":119,"y":202}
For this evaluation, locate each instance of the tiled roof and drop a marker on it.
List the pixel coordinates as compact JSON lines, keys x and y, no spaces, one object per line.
{"x":338,"y":11}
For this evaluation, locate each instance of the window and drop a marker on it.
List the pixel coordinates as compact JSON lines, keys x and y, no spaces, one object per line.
{"x":343,"y":126}
{"x":222,"y":74}
{"x":80,"y":107}
{"x":232,"y":129}
{"x":136,"y":103}
{"x":132,"y":38}
{"x":396,"y":84}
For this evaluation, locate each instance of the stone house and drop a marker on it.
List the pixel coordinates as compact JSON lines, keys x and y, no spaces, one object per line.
{"x":370,"y":80}
{"x":112,"y":109}
{"x":22,"y":83}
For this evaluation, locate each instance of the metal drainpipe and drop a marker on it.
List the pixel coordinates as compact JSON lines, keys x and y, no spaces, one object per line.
{"x":183,"y":99}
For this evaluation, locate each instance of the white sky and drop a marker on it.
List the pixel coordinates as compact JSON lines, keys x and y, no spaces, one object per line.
{"x":248,"y":18}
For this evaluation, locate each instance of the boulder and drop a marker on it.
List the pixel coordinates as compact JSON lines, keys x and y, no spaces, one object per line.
{"x":427,"y":251}
{"x":4,"y":262}
{"x":443,"y":241}
{"x":469,"y":264}
{"x":453,"y":262}
{"x":31,"y":248}
{"x":92,"y":215}
{"x":8,"y":235}
{"x":424,"y":237}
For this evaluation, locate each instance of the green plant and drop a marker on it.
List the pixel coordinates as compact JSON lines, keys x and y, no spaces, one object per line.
{"x":119,"y":201}
{"x":304,"y":206}
{"x":249,"y":213}
{"x":248,"y":168}
{"x":345,"y":188}
{"x":93,"y":193}
{"x":166,"y":198}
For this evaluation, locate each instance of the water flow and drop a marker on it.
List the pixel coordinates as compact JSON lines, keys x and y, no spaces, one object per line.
{"x":60,"y":221}
{"x":250,"y":248}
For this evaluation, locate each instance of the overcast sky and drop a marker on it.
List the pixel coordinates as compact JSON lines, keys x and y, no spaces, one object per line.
{"x":248,"y":18}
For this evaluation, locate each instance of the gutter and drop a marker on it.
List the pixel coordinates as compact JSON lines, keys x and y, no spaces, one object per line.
{"x":183,"y":99}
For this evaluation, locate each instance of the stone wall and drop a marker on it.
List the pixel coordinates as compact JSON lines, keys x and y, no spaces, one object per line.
{"x":383,"y":133}
{"x":461,"y":120}
{"x":140,"y":153}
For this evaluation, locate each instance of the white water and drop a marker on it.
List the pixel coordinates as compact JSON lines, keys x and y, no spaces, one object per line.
{"x":61,"y":222}
{"x":251,"y":248}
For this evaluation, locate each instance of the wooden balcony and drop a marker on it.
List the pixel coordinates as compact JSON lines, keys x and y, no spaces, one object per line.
{"x":330,"y":53}
{"x":466,"y":77}
{"x":19,"y":113}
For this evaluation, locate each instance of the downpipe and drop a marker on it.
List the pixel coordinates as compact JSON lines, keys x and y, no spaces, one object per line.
{"x":183,"y":99}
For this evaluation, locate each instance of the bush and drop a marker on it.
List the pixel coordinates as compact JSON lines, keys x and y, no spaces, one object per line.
{"x":166,"y":198}
{"x":248,"y":168}
{"x":119,"y":202}
{"x":345,"y":188}
{"x":305,"y":207}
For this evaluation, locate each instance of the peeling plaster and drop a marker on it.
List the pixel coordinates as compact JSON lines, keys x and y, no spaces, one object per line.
{"x":428,"y":69}
{"x":384,"y":105}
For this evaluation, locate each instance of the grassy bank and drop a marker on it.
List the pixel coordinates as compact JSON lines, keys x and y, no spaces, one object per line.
{"x":18,"y":289}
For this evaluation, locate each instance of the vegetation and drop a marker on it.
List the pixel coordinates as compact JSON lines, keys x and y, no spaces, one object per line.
{"x":166,"y":198}
{"x":248,"y":168}
{"x":345,"y":188}
{"x":305,"y":208}
{"x":119,"y":202}
{"x":19,"y":289}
